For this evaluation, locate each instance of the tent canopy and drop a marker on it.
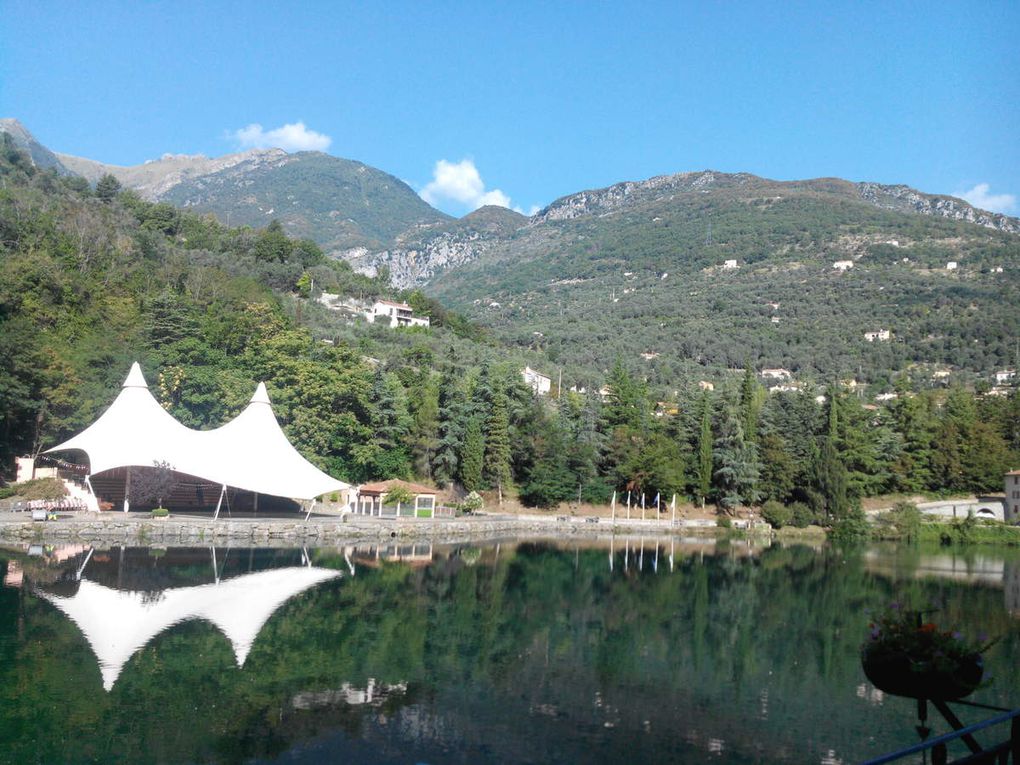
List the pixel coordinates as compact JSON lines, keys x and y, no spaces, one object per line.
{"x":250,"y":452}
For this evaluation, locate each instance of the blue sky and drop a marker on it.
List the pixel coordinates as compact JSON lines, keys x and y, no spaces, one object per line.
{"x":522,"y":103}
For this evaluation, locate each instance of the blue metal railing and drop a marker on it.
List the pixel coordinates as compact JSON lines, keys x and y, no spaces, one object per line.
{"x":1002,"y":751}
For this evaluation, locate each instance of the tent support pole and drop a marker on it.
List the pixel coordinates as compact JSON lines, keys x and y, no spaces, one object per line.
{"x":309,"y":514}
{"x":127,"y":491}
{"x":220,"y":502}
{"x":88,"y":485}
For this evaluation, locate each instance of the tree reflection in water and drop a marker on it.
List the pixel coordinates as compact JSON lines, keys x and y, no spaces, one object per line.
{"x":633,"y":649}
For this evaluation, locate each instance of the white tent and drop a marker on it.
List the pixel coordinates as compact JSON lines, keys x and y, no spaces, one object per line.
{"x":250,"y":452}
{"x":117,"y":623}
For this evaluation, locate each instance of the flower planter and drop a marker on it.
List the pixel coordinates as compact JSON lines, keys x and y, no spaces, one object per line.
{"x":903,"y":675}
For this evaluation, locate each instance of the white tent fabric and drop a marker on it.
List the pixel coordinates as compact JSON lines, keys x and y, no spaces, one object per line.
{"x":250,"y":452}
{"x":118,"y":623}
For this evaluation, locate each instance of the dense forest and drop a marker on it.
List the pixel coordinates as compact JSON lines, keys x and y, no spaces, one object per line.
{"x":94,"y":278}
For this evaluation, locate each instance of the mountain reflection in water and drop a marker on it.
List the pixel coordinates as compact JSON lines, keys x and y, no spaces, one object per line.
{"x":623,"y":649}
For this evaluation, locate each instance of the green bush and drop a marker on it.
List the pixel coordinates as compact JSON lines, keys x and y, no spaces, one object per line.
{"x":41,"y":488}
{"x":801,"y":514}
{"x":852,"y":529}
{"x":906,"y":520}
{"x":724,"y":522}
{"x":472,"y":502}
{"x":7,"y":491}
{"x":160,"y":512}
{"x":776,"y":514}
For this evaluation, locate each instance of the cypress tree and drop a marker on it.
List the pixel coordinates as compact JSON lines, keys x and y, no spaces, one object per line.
{"x":472,"y":455}
{"x":497,"y":443}
{"x":704,"y":471}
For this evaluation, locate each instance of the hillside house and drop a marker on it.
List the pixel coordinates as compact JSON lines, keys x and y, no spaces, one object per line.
{"x":395,"y":314}
{"x":1004,"y":376}
{"x":541,"y":384}
{"x":843,"y":265}
{"x":879,"y":335}
{"x":729,"y":265}
{"x":952,"y":265}
{"x":649,"y":355}
{"x":706,"y":385}
{"x":887,"y":397}
{"x":940,"y":374}
{"x":666,"y":409}
{"x":776,"y":374}
{"x":1012,"y":509}
{"x":790,"y":387}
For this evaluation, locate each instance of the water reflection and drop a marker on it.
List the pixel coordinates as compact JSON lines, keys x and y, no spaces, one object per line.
{"x":600,"y":650}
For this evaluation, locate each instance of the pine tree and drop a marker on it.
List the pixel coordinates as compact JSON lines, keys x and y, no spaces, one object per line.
{"x":736,"y":464}
{"x":391,"y":423}
{"x":107,"y":188}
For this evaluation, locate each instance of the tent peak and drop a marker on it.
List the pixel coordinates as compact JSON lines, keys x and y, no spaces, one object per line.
{"x":261,"y":395}
{"x":135,"y":379}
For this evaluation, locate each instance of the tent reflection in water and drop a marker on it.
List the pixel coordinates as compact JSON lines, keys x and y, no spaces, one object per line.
{"x":117,"y":623}
{"x":249,"y":453}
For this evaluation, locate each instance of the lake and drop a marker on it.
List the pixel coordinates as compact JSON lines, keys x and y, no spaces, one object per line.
{"x":620,"y":650}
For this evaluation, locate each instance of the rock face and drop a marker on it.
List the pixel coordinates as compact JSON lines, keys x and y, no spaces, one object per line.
{"x":907,"y":199}
{"x":422,"y":257}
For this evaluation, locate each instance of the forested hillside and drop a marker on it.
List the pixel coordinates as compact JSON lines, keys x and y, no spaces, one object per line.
{"x":92,"y":279}
{"x":643,"y":270}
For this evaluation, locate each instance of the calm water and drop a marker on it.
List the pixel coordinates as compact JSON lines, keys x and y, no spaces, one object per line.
{"x":518,"y":652}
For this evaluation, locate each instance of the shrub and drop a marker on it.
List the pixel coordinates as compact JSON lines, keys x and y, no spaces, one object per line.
{"x":42,"y":488}
{"x":854,"y":528}
{"x":801,"y":514}
{"x":472,"y":502}
{"x":905,"y":518}
{"x":724,"y":522}
{"x":776,"y":514}
{"x":160,"y":512}
{"x":7,"y":491}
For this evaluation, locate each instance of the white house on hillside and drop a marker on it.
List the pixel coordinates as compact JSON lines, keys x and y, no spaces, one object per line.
{"x":396,"y":314}
{"x":843,"y":265}
{"x":880,"y":335}
{"x":538,"y":382}
{"x":776,"y":374}
{"x":1004,"y":376}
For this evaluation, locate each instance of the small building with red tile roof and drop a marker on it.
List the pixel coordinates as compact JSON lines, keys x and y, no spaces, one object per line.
{"x":371,"y":496}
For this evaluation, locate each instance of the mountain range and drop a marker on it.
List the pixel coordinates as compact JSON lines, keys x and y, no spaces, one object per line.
{"x":677,"y":273}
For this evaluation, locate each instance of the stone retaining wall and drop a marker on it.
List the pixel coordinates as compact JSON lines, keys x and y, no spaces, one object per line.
{"x":315,"y":531}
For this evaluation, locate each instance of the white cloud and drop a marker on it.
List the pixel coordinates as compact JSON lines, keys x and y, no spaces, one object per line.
{"x":460,"y":182}
{"x":291,"y":137}
{"x":980,"y":197}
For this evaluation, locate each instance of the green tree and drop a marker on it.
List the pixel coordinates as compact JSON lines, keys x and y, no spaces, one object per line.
{"x":472,"y":455}
{"x":706,"y":460}
{"x":497,"y":443}
{"x":107,"y":188}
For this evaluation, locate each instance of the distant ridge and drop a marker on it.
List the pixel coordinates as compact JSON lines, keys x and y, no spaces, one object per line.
{"x":41,"y":156}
